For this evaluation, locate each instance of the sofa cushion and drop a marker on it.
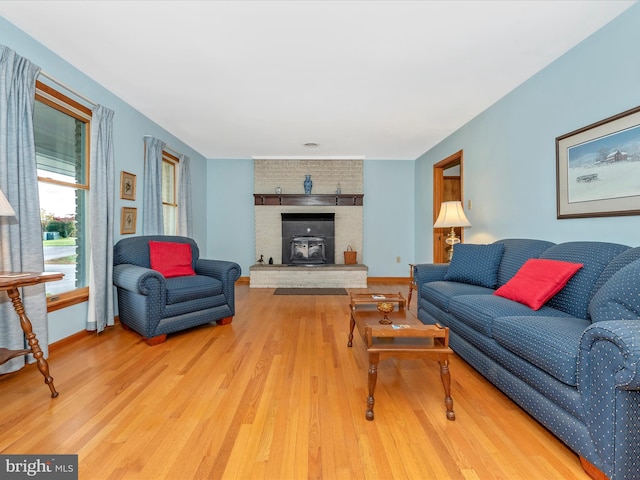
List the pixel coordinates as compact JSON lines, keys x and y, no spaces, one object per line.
{"x":619,"y":298}
{"x":195,"y":307}
{"x":516,"y":252}
{"x":575,"y":296}
{"x":441,"y":293}
{"x":622,"y":260}
{"x":184,"y":289}
{"x":171,"y":259}
{"x":537,"y":281}
{"x":475,"y":264}
{"x":479,"y":311}
{"x":135,"y":250}
{"x":550,"y":343}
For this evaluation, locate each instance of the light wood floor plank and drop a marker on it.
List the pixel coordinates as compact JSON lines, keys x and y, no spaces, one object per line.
{"x":277,"y":395}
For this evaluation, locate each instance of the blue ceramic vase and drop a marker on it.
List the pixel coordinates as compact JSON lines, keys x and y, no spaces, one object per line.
{"x":307,"y":184}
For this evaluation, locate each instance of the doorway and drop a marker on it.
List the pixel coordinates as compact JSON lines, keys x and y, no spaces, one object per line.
{"x":447,"y":186}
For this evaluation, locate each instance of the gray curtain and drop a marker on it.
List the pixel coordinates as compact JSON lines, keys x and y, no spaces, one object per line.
{"x":100,"y":309}
{"x":153,"y":223}
{"x":185,"y":217}
{"x":20,"y":237}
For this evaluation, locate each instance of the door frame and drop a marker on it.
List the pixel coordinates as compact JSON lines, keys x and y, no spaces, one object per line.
{"x":454,"y":160}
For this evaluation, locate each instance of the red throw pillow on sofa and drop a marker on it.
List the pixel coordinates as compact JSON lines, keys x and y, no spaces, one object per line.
{"x":537,"y":281}
{"x":171,"y":259}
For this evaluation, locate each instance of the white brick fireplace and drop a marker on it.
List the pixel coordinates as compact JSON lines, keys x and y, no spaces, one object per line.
{"x":288,"y":176}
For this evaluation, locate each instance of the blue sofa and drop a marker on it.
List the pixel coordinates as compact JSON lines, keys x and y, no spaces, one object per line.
{"x":574,"y":364}
{"x":155,"y":306}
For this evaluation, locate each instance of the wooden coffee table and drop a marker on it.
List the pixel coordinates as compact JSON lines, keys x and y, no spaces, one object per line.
{"x":405,"y":337}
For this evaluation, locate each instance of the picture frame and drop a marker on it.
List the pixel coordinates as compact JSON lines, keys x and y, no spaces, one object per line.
{"x":597,"y":168}
{"x":128,"y":220}
{"x":127,"y":186}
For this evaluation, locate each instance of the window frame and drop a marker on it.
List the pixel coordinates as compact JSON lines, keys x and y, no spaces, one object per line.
{"x":55,"y":99}
{"x":174,"y":162}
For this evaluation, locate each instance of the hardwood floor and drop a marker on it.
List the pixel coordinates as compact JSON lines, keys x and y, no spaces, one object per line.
{"x":276,"y":394}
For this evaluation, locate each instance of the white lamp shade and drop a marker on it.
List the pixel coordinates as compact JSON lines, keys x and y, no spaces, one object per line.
{"x":5,"y":207}
{"x":451,"y":215}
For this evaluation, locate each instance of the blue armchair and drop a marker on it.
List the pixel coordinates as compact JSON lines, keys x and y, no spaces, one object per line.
{"x":155,"y":306}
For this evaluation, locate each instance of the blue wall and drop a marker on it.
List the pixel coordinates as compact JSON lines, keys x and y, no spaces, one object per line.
{"x":129,"y":125}
{"x":230,"y":227}
{"x":387,"y":214}
{"x":509,"y":149}
{"x":388,"y":217}
{"x":129,"y":128}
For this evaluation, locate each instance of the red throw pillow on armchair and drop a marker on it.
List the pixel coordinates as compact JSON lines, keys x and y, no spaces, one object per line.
{"x":171,"y":259}
{"x":537,"y":281}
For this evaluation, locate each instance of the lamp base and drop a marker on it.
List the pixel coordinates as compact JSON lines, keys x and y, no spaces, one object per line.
{"x":451,"y":240}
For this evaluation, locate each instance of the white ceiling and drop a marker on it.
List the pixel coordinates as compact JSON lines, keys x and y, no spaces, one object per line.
{"x":379,"y":79}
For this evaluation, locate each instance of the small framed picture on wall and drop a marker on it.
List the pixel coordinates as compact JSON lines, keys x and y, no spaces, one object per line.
{"x":128,"y":220}
{"x":127,"y":186}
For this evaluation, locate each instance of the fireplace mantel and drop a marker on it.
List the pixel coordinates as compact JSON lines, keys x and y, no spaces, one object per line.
{"x":343,"y":200}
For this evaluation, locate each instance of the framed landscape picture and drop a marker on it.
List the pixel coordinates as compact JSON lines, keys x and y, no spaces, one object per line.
{"x":598,"y":168}
{"x":128,"y":220}
{"x":127,"y":186}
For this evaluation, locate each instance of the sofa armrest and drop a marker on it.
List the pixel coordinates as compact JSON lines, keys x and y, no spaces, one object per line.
{"x":617,"y":341}
{"x":609,"y":386}
{"x":226,"y":272}
{"x":141,"y":297}
{"x":221,"y":269}
{"x":137,"y":279}
{"x":430,"y":272}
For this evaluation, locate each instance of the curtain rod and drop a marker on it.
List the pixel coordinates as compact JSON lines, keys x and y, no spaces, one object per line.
{"x":166,"y":147}
{"x":68,"y":88}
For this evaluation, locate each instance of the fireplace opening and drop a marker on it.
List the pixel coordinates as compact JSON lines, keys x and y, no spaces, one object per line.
{"x":308,"y":238}
{"x":308,"y":250}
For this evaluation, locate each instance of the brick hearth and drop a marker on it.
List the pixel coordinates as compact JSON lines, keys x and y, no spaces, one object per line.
{"x":276,"y":276}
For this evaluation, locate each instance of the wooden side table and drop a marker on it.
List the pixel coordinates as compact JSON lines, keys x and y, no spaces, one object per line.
{"x":10,"y":282}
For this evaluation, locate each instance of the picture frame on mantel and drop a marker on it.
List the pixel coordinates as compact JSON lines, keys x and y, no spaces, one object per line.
{"x":127,"y":186}
{"x":597,"y":168}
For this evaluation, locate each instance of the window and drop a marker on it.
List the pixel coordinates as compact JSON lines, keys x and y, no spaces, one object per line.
{"x":169,"y":199}
{"x":61,"y":129}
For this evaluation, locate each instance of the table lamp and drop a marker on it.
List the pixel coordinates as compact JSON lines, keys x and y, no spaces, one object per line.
{"x":451,"y":215}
